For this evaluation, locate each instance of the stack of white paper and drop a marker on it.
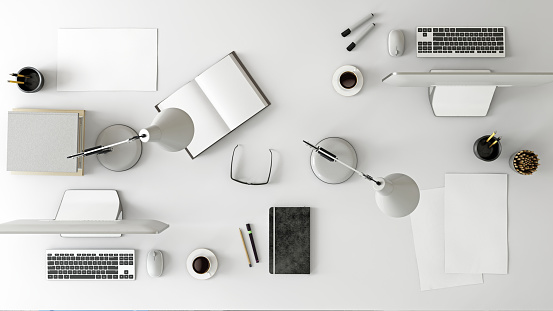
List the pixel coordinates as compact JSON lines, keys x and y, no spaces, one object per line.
{"x":427,"y":222}
{"x":460,"y":231}
{"x":476,"y":223}
{"x":107,"y":59}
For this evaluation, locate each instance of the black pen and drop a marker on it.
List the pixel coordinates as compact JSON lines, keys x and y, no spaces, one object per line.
{"x":361,"y":36}
{"x":253,"y":244}
{"x":359,"y":23}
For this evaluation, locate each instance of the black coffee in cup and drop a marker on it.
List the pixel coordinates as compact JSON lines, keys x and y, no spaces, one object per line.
{"x":201,"y":265}
{"x":348,"y":80}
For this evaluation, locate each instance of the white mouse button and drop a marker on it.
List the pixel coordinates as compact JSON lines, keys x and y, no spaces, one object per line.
{"x":396,"y":43}
{"x":154,"y":263}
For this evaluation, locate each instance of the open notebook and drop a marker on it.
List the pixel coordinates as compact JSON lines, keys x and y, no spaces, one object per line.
{"x":218,"y":100}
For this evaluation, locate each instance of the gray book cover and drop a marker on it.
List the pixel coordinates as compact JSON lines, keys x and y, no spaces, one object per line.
{"x":289,"y":240}
{"x":41,"y":141}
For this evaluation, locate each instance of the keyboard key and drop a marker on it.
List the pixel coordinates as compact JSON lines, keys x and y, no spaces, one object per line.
{"x":81,"y":276}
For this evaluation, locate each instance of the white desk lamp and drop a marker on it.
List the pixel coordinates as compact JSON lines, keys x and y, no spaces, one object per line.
{"x":397,"y":195}
{"x":172,"y":129}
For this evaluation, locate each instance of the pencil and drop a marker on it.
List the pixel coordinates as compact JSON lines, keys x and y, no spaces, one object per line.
{"x":18,"y":82}
{"x":490,"y":137}
{"x":245,"y":249}
{"x":18,"y":75}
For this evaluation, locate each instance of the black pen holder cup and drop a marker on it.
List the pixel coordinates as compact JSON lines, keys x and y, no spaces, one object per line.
{"x":484,"y":152}
{"x":33,"y":83}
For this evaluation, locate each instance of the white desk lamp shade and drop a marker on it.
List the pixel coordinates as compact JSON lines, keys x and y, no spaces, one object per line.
{"x":172,"y":128}
{"x":397,"y":196}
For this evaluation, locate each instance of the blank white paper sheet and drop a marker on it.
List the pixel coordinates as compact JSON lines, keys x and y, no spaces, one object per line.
{"x":476,"y":223}
{"x":427,"y":222}
{"x":107,"y":60}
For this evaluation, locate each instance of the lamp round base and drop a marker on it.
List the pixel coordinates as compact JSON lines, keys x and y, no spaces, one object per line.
{"x":330,"y":172}
{"x":124,"y":156}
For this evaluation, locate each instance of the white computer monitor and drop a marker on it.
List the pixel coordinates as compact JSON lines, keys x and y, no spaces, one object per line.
{"x":464,"y":92}
{"x":86,"y":213}
{"x":52,"y":226}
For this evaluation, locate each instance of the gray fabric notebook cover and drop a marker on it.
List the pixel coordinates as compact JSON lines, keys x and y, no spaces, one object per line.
{"x":289,"y":240}
{"x":41,"y":141}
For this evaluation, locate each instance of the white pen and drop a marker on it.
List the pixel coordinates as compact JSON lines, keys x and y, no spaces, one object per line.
{"x":361,"y":36}
{"x":359,"y":23}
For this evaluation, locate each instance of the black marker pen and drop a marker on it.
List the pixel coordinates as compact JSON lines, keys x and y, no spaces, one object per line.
{"x":253,"y":244}
{"x":359,"y":23}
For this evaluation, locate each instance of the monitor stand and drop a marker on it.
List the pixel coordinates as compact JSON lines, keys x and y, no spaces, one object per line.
{"x":461,"y":100}
{"x":83,"y":205}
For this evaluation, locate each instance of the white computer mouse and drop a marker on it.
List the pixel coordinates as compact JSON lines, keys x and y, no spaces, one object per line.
{"x":396,"y":43}
{"x":154,"y":263}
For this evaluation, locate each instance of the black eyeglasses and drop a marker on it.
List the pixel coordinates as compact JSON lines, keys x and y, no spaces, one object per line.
{"x":250,"y":183}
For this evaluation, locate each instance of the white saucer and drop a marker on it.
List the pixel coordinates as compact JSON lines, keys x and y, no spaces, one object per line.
{"x":209,"y":255}
{"x":336,"y":81}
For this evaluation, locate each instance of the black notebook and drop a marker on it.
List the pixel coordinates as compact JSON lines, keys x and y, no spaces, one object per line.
{"x":289,"y":240}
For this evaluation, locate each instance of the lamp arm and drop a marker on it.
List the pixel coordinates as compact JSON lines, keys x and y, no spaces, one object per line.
{"x":102,"y":149}
{"x":332,"y":158}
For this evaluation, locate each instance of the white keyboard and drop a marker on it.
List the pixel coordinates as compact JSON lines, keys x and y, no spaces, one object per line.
{"x":90,"y":264}
{"x":450,"y":41}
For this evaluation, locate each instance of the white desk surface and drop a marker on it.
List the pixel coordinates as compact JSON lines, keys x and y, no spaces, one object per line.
{"x":292,"y":49}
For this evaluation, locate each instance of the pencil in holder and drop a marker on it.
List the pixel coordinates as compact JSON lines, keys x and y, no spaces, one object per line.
{"x":29,"y":80}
